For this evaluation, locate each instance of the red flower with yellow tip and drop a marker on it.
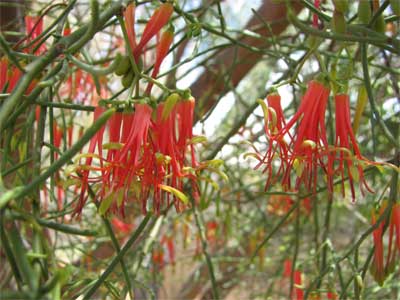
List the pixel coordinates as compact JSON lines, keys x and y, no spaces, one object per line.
{"x":274,"y":123}
{"x":309,"y":140}
{"x":348,"y":153}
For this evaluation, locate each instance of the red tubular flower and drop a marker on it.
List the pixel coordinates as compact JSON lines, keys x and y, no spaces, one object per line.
{"x":347,"y":145}
{"x":297,"y":281}
{"x":395,"y":222}
{"x":70,"y":131}
{"x":9,"y":76}
{"x":287,"y":272}
{"x":34,"y":27}
{"x":97,"y":140}
{"x":315,"y":16}
{"x":122,"y":227}
{"x":157,"y":21}
{"x":166,"y":144}
{"x":137,"y":135}
{"x":162,"y":49}
{"x":129,"y":15}
{"x":287,"y":268}
{"x":379,"y":269}
{"x":127,"y":159}
{"x":276,"y":115}
{"x":274,"y":123}
{"x":309,"y":141}
{"x":185,"y":111}
{"x":3,"y":73}
{"x":377,"y":266}
{"x":57,"y":137}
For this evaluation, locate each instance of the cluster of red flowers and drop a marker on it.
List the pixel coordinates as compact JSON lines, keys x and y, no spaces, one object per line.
{"x":146,"y":154}
{"x":306,"y":150}
{"x":149,"y":151}
{"x":379,"y":269}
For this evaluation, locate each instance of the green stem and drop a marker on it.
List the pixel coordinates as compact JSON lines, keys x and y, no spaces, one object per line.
{"x":364,"y":35}
{"x":7,"y":50}
{"x":296,"y":246}
{"x":96,"y":70}
{"x":66,"y":105}
{"x":378,"y":13}
{"x":88,"y":295}
{"x":355,"y":246}
{"x":91,"y":29}
{"x":6,"y":247}
{"x":65,"y":228}
{"x":118,"y":250}
{"x":367,"y":81}
{"x":22,"y":191}
{"x":326,"y":231}
{"x":274,"y":229}
{"x":200,"y":228}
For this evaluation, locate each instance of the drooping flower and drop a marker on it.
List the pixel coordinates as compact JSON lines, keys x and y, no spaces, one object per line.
{"x":84,"y":171}
{"x":143,"y":157}
{"x":297,"y":279}
{"x":129,"y":16}
{"x":309,"y":140}
{"x":274,"y":122}
{"x":34,"y":27}
{"x":395,"y":222}
{"x":298,"y":282}
{"x":348,"y":153}
{"x":380,"y":268}
{"x":57,"y":137}
{"x":185,"y":111}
